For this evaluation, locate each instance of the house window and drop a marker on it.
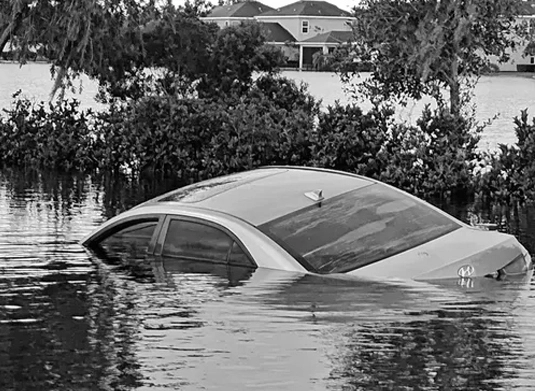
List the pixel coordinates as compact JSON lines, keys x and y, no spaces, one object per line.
{"x":304,"y":26}
{"x":532,"y":60}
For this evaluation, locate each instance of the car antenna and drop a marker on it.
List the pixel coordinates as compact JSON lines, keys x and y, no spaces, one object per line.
{"x":316,"y":196}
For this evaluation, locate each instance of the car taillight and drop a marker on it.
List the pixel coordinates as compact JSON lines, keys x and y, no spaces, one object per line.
{"x":520,"y":265}
{"x":517,"y":266}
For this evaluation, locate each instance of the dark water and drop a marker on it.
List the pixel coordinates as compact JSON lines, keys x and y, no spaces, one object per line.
{"x":71,"y":321}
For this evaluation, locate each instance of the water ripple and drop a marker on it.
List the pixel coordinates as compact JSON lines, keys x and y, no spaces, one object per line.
{"x":71,"y":320}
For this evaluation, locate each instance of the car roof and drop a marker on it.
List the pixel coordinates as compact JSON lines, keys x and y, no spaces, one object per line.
{"x":264,"y":194}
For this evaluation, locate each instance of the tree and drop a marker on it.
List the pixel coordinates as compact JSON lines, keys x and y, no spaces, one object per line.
{"x":133,"y":47}
{"x":423,"y":47}
{"x":102,"y":38}
{"x":238,"y":52}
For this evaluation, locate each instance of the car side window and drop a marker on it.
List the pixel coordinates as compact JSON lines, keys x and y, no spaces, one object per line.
{"x":197,"y":241}
{"x":133,"y":237}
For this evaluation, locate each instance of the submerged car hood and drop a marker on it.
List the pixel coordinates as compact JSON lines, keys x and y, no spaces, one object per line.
{"x":480,"y":252}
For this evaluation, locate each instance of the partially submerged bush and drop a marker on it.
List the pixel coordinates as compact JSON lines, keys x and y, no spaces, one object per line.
{"x":190,"y":138}
{"x":275,"y":122}
{"x":54,"y":135}
{"x":431,"y":159}
{"x":508,"y":175}
{"x":348,"y":139}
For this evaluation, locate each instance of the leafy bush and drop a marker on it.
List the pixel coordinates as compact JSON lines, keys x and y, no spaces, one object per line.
{"x":274,"y":122}
{"x":349,"y":140}
{"x":449,"y":147}
{"x":199,"y":138}
{"x":55,"y":136}
{"x":498,"y":176}
{"x":508,"y":175}
{"x":432,"y":159}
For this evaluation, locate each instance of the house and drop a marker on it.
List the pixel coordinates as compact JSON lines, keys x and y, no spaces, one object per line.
{"x":233,"y":14}
{"x":278,"y":36}
{"x":300,"y":29}
{"x":316,"y":25}
{"x":323,"y":44}
{"x":522,"y":58}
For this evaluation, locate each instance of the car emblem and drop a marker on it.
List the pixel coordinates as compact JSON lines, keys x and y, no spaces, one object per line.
{"x":466,"y":271}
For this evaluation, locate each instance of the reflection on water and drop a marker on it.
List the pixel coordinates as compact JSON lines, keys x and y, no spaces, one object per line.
{"x":71,"y":320}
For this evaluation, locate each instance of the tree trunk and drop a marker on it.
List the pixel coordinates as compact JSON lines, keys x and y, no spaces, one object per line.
{"x":455,"y":98}
{"x":454,"y":84}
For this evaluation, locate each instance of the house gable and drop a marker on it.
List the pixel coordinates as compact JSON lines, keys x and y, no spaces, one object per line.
{"x":275,"y":33}
{"x":308,"y":8}
{"x":246,"y":10}
{"x":307,"y":18}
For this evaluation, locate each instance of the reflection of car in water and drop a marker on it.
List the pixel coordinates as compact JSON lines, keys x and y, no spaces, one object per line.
{"x":312,"y":221}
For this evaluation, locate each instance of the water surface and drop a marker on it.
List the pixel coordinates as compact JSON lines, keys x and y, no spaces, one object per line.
{"x":71,"y":320}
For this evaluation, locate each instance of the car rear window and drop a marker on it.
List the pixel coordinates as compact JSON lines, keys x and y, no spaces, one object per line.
{"x":358,"y":228}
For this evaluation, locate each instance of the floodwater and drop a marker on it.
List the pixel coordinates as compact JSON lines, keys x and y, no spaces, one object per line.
{"x":70,"y":320}
{"x":497,"y":98}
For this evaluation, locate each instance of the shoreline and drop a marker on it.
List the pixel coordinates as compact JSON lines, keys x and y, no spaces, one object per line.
{"x":527,"y":75}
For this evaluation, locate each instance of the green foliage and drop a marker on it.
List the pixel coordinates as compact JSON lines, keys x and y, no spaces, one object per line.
{"x":274,"y":122}
{"x":420,"y":48}
{"x":100,"y":38}
{"x":238,"y":52}
{"x":507,"y":176}
{"x":284,"y":93}
{"x":134,"y":48}
{"x":199,"y":138}
{"x":424,"y":159}
{"x":498,"y":177}
{"x":186,"y":138}
{"x":449,"y":146}
{"x":348,"y":139}
{"x":54,"y":136}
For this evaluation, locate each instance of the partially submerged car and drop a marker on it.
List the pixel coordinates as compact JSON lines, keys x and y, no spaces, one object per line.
{"x":312,"y":220}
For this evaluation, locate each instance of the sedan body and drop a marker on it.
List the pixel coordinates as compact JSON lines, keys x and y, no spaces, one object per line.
{"x":312,"y":220}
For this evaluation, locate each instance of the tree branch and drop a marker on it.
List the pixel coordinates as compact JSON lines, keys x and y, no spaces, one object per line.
{"x":13,"y":25}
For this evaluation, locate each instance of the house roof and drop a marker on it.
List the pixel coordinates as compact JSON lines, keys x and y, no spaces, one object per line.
{"x":244,"y":9}
{"x":308,"y":8}
{"x":276,"y":33}
{"x":334,"y":36}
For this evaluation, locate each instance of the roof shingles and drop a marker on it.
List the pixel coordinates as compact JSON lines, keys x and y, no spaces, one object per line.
{"x":246,"y":9}
{"x":331,"y":37}
{"x":274,"y":32}
{"x":308,"y":8}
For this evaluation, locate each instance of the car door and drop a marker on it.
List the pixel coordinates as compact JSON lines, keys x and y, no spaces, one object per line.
{"x":194,"y":239}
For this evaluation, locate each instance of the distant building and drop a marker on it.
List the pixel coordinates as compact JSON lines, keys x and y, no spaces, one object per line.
{"x":522,"y":60}
{"x":321,"y":44}
{"x":233,"y":14}
{"x":300,"y":29}
{"x":278,"y":36}
{"x":311,"y":22}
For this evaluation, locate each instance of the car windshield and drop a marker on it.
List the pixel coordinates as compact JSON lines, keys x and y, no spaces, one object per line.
{"x":357,"y":228}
